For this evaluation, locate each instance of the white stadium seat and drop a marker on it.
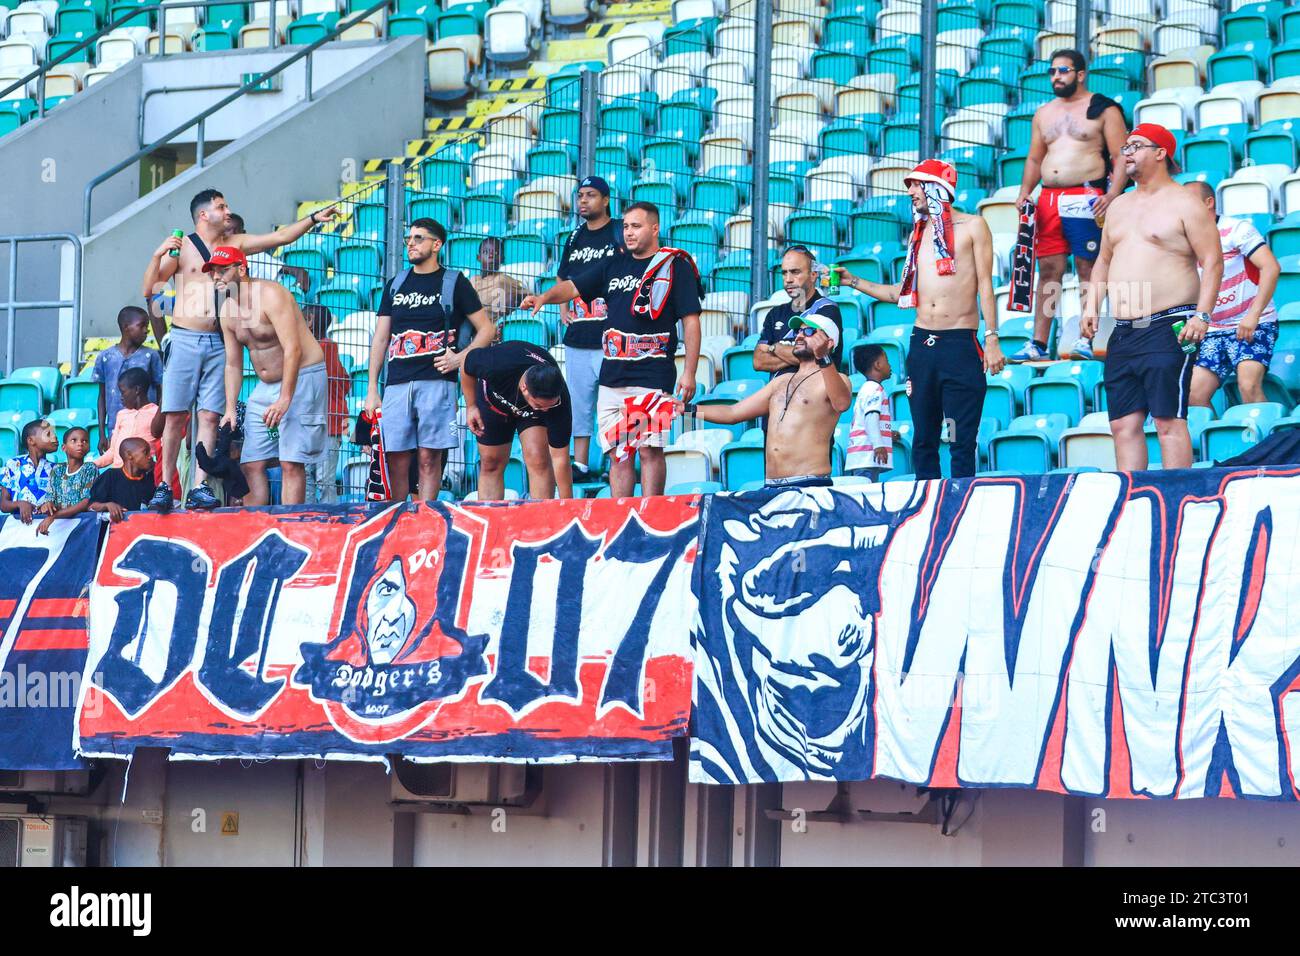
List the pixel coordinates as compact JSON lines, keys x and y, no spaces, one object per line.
{"x":1172,"y":108}
{"x":307,"y":8}
{"x":636,"y":43}
{"x":507,"y":32}
{"x":622,"y":81}
{"x":1089,"y":444}
{"x":19,"y":55}
{"x":734,"y":109}
{"x":1228,"y":103}
{"x":974,"y":125}
{"x":448,"y":68}
{"x":735,"y":37}
{"x":493,"y":163}
{"x":1204,"y":16}
{"x":899,"y":22}
{"x":832,"y":184}
{"x":1252,"y":189}
{"x":546,"y":197}
{"x":1279,"y":101}
{"x":693,"y":10}
{"x":1290,"y":194}
{"x":1184,"y":66}
{"x":284,"y":12}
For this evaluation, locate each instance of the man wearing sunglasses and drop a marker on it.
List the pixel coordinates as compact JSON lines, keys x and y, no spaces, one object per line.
{"x":802,"y":408}
{"x":1074,"y":151}
{"x":1154,"y":239}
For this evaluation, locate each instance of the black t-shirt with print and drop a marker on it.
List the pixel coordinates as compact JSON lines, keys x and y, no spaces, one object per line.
{"x":420,"y":327}
{"x":114,"y":486}
{"x":616,"y":279}
{"x":499,"y":370}
{"x":776,"y":329}
{"x":584,"y":248}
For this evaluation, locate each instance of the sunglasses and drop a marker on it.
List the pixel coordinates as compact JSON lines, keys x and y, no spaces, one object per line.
{"x":1059,"y":70}
{"x":807,"y":330}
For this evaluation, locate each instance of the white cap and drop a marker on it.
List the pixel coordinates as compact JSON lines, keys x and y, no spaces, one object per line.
{"x":817,"y":321}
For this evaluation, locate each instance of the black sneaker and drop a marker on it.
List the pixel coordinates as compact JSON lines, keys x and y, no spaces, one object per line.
{"x":581,"y":475}
{"x":162,"y":499}
{"x":201,"y":498}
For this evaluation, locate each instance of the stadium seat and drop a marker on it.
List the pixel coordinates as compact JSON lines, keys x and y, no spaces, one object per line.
{"x":1006,"y":393}
{"x":1029,"y":445}
{"x":1065,"y":387}
{"x":1240,"y":427}
{"x":31,"y":387}
{"x":1089,"y":444}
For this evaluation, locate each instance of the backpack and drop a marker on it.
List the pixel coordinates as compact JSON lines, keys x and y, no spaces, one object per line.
{"x":447,"y":299}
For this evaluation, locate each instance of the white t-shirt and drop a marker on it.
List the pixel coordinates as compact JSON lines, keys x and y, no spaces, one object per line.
{"x":1240,"y":284}
{"x":871,"y":401}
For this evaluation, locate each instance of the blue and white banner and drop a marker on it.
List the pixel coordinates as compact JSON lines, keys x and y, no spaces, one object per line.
{"x":1099,"y":634}
{"x":44,"y":583}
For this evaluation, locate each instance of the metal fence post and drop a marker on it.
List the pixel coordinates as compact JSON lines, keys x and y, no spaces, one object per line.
{"x":396,"y":219}
{"x":274,"y":42}
{"x":926,"y":130}
{"x":758,"y":279}
{"x":1083,"y":27}
{"x":589,"y":129}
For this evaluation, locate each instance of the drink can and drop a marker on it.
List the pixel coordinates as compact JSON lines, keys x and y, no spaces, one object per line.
{"x":179,"y":234}
{"x":599,"y":308}
{"x":834,"y":280}
{"x":1188,"y":347}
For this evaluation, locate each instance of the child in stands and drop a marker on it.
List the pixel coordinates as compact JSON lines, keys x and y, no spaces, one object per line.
{"x":25,"y":483}
{"x":871,"y":436}
{"x":128,"y":488}
{"x":128,"y":353}
{"x":136,"y":418}
{"x":70,"y":481}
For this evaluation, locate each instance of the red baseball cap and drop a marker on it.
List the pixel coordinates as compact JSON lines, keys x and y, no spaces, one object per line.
{"x":935,"y":171}
{"x":223,"y":256}
{"x":1159,"y":136}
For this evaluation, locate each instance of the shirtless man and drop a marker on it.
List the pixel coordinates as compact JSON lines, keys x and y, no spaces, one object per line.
{"x":285,"y":415}
{"x":802,"y":408}
{"x":192,"y":358}
{"x":1158,"y":230}
{"x":945,"y":362}
{"x":1073,"y":149}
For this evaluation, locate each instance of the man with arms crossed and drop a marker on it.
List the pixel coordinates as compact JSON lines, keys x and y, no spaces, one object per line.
{"x":516,"y":387}
{"x":192,"y":358}
{"x":1243,"y":328}
{"x":640,"y":338}
{"x":1074,"y":150}
{"x":1155,"y":236}
{"x":285,"y":415}
{"x":945,"y":362}
{"x":802,"y":408}
{"x":596,"y":239}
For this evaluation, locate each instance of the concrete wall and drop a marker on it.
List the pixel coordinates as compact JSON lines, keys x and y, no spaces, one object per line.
{"x":302,"y":154}
{"x":311,"y":814}
{"x":45,"y":166}
{"x":164,"y":112}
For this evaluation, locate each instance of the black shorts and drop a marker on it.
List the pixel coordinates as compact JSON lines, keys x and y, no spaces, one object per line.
{"x":1146,"y":368}
{"x":499,"y":426}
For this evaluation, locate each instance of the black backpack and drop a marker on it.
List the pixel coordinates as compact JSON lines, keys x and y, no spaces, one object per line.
{"x":447,"y":299}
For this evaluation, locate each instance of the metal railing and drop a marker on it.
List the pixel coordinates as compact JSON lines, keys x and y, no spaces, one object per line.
{"x":13,"y":305}
{"x":199,"y":119}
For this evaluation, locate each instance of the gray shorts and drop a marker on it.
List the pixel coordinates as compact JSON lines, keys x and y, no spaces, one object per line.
{"x":420,"y":414}
{"x":582,"y":373}
{"x":301,"y":436}
{"x":194,"y":366}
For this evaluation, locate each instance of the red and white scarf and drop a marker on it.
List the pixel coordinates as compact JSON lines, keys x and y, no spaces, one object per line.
{"x":657,"y":284}
{"x":938,"y":210}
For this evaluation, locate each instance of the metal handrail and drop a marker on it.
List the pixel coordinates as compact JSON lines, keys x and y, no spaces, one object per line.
{"x":12,"y":307}
{"x":200,"y":118}
{"x":44,"y":68}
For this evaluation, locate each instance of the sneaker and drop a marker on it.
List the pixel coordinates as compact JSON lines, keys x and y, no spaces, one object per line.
{"x":1029,"y":352}
{"x":161,"y":501}
{"x":201,"y":498}
{"x":1082,"y":349}
{"x":581,"y":475}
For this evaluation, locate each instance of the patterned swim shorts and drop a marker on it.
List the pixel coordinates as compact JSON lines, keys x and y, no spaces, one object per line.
{"x":1221,"y":352}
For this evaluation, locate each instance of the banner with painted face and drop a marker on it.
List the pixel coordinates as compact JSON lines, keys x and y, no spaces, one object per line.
{"x":1100,"y":634}
{"x":44,"y":579}
{"x":549,"y":631}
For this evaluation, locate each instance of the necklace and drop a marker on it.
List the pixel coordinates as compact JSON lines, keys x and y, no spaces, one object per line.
{"x":792,"y":390}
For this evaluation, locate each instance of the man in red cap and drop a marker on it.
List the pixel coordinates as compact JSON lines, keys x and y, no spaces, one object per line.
{"x":948,"y":279}
{"x":1153,"y":241}
{"x":285,"y":415}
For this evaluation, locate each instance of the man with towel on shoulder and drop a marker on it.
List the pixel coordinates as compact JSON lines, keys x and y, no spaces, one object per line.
{"x":948,"y":279}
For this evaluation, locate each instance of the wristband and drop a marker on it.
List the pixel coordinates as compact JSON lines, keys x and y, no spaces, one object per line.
{"x":825,"y":362}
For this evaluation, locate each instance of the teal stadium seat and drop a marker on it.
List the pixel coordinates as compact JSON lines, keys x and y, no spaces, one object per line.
{"x":1028,"y":445}
{"x":1064,"y":387}
{"x":1257,"y":21}
{"x":1241,"y":61}
{"x":1240,"y":427}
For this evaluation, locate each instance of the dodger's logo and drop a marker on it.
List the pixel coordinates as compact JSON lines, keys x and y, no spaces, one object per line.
{"x":397,"y":644}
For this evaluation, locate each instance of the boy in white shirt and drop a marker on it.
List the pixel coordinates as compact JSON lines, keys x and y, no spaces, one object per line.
{"x":871,"y":436}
